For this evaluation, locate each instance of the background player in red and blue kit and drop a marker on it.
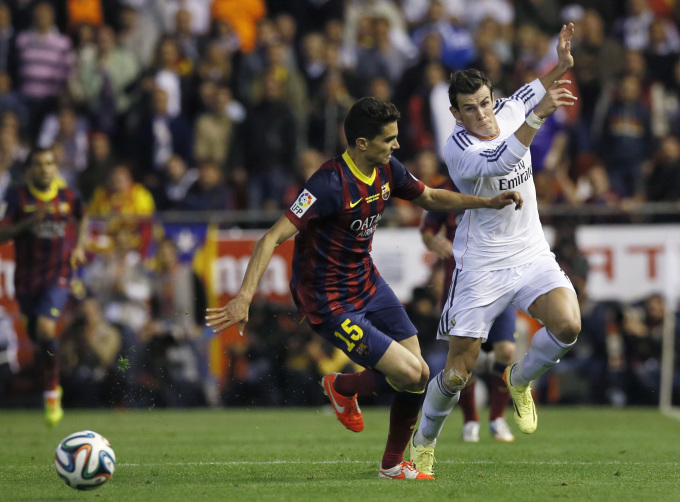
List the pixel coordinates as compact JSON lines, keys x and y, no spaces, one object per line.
{"x":501,"y":336}
{"x":47,"y":223}
{"x":336,"y":285}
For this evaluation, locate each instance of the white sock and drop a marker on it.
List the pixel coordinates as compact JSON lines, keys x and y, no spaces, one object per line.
{"x":438,"y":404}
{"x":544,"y":353}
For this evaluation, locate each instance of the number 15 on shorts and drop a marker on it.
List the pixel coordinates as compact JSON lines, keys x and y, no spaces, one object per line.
{"x":354,"y":332}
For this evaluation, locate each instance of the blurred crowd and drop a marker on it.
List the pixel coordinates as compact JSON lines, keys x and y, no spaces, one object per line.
{"x":228,"y":104}
{"x":218,"y":105}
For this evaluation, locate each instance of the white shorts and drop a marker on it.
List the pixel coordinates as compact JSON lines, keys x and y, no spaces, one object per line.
{"x":476,"y":298}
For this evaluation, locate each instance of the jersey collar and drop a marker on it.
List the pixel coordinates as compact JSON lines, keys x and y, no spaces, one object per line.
{"x":355,"y":170}
{"x":46,"y":195}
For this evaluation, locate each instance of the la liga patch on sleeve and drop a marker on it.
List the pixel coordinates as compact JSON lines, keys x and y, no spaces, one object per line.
{"x":303,"y":202}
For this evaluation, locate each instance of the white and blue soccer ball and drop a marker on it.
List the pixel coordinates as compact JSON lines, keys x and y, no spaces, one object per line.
{"x":85,"y":460}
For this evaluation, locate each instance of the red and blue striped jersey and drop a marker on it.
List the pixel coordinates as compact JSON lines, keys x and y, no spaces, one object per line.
{"x":42,"y":252}
{"x":336,"y":214}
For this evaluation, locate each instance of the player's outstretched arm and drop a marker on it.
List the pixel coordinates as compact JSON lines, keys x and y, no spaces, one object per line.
{"x":565,"y":60}
{"x":437,"y":199}
{"x":555,"y":97}
{"x":236,"y":311}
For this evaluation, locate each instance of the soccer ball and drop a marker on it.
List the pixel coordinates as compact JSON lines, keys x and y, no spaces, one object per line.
{"x":85,"y":460}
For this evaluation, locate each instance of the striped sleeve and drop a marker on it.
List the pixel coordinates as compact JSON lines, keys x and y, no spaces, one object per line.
{"x":529,"y":95}
{"x":479,"y":161}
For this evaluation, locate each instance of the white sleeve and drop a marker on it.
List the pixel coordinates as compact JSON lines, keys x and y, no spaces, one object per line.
{"x":477,"y":161}
{"x":529,"y":95}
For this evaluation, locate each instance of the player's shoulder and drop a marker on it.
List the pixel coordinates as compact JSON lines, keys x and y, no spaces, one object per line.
{"x":330,"y":171}
{"x":520,"y":97}
{"x":460,"y":140}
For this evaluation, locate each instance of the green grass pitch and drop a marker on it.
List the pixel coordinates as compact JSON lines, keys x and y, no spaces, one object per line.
{"x":306,"y":455}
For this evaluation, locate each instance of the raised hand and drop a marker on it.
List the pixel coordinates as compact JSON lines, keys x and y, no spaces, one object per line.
{"x":555,"y":96}
{"x":564,"y":58}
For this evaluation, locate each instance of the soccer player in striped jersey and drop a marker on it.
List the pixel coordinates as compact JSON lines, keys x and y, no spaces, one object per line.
{"x":336,"y":285}
{"x":502,"y":257}
{"x":438,"y":231}
{"x":47,"y":223}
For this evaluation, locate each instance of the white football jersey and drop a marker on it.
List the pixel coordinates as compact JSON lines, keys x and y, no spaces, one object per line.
{"x":490,"y":239}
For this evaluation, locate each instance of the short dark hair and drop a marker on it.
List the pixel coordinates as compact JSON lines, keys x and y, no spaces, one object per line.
{"x":367,"y":118}
{"x":466,"y":82}
{"x":36,"y":150}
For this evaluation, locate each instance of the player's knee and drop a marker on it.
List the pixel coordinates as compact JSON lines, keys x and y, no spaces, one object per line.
{"x":454,"y":381}
{"x":413,"y":377}
{"x":567,"y":330}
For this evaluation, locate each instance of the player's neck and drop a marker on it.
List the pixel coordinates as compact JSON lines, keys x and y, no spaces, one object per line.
{"x":364,"y":166}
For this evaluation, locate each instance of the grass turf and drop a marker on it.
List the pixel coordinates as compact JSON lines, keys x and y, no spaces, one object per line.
{"x":306,"y":455}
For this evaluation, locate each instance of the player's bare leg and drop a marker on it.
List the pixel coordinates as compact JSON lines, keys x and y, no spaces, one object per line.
{"x":559,"y":311}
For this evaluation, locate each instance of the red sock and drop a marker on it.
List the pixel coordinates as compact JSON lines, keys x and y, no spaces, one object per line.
{"x":364,"y":383}
{"x":467,"y":403}
{"x":48,"y":356}
{"x":403,"y":418}
{"x":499,"y":397}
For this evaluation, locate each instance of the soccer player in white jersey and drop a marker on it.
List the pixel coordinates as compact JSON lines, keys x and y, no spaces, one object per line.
{"x":502,"y":257}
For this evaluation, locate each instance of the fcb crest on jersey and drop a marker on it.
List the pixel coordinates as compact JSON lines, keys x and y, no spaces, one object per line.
{"x":303,"y":202}
{"x":386,"y":191}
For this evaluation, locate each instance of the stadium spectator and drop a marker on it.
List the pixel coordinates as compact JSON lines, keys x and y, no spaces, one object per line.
{"x":159,"y":135}
{"x":12,"y":102}
{"x":66,"y":131}
{"x":187,"y":39}
{"x":327,"y":111}
{"x":122,"y":202}
{"x":642,"y":332}
{"x":48,"y":225}
{"x":313,"y":62}
{"x":209,"y":192}
{"x":138,"y":34}
{"x":222,"y":35}
{"x":13,"y":152}
{"x":600,"y":60}
{"x":267,"y":147}
{"x":176,"y":182}
{"x":118,"y":279}
{"x":101,"y":159}
{"x":379,"y":55}
{"x":291,"y":82}
{"x":361,"y":315}
{"x":215,"y":129}
{"x":91,"y":348}
{"x":215,"y":64}
{"x":44,"y":63}
{"x":199,"y":20}
{"x":626,"y":140}
{"x":458,"y":47}
{"x":172,"y":336}
{"x":7,"y":41}
{"x":104,"y":79}
{"x":662,"y":182}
